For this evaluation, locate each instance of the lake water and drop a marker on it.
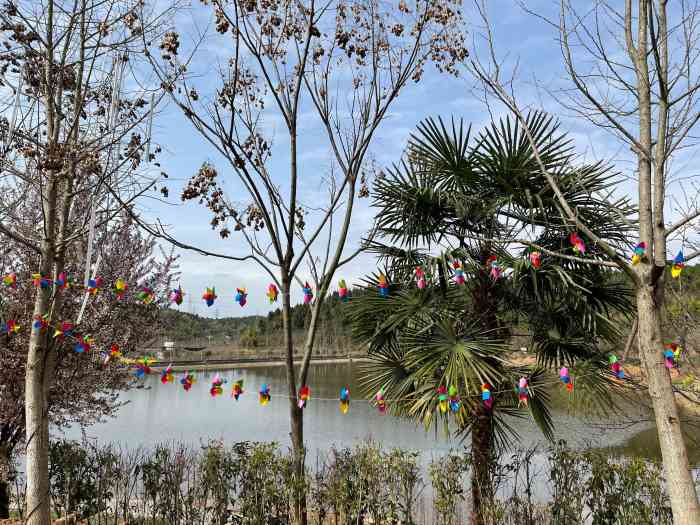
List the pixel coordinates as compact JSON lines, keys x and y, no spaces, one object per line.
{"x":158,"y":413}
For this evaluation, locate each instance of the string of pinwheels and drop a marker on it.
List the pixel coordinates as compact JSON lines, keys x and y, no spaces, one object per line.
{"x":449,"y":399}
{"x":146,"y":295}
{"x":448,"y":396}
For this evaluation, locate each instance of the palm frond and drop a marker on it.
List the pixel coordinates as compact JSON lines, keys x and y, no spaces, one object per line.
{"x":453,"y":198}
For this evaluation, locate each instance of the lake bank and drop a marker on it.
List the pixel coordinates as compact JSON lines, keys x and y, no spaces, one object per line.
{"x":234,"y":364}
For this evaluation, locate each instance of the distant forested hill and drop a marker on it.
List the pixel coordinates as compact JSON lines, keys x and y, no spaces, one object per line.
{"x":682,"y":316}
{"x":254,"y":330}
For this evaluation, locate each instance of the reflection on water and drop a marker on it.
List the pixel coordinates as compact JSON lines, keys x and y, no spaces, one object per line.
{"x":646,"y":444}
{"x":160,"y":413}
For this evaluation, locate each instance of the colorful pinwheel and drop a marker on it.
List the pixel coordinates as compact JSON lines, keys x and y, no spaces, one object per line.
{"x":615,"y":367}
{"x":459,"y":272}
{"x":41,"y":321}
{"x":82,"y":344}
{"x":62,"y":281}
{"x":143,"y":367}
{"x":166,"y":375}
{"x":383,"y":285}
{"x":564,"y":376}
{"x":308,"y":293}
{"x":187,"y":380}
{"x":66,"y":330}
{"x":10,"y":280}
{"x":209,"y":296}
{"x":272,"y":292}
{"x":10,"y":327}
{"x":304,"y":396}
{"x":264,"y":394}
{"x":454,"y":399}
{"x":94,"y":285}
{"x":420,"y":278}
{"x":672,"y":354}
{"x":495,"y":268}
{"x":442,"y":399}
{"x":146,"y":295}
{"x":343,"y":291}
{"x":639,"y":252}
{"x":379,"y":401}
{"x":577,"y":243}
{"x":486,"y":396}
{"x":237,"y":389}
{"x":522,"y":392}
{"x":217,"y":386}
{"x":344,"y":400}
{"x":177,"y":295}
{"x":114,"y":353}
{"x":678,"y":265}
{"x":40,"y":281}
{"x":120,"y":288}
{"x":536,"y":259}
{"x":241,"y":296}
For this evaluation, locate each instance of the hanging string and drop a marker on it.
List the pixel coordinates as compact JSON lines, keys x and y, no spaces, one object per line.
{"x":117,"y":70}
{"x":88,"y":258}
{"x":413,"y":398}
{"x":631,"y":385}
{"x":149,"y":129}
{"x":127,"y":361}
{"x":15,"y":110}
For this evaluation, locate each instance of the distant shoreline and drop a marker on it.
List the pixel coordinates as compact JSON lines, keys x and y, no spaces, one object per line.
{"x":229,"y":364}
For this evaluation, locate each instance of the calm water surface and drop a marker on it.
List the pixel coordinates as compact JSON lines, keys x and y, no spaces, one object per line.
{"x":158,"y":413}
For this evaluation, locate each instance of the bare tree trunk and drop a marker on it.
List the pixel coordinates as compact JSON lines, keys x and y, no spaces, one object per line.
{"x":297,"y":429}
{"x":37,"y":377}
{"x":679,"y":478}
{"x":5,"y":469}
{"x":650,"y":288}
{"x":296,"y":414}
{"x":482,"y":431}
{"x":36,"y":381}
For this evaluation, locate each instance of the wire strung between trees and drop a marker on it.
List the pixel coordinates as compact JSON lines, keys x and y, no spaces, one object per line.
{"x":145,"y":362}
{"x":129,"y":362}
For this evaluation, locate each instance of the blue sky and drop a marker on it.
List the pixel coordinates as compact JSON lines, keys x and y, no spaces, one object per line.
{"x":519,"y":36}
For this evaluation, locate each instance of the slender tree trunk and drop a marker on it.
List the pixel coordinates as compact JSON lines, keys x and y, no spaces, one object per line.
{"x":5,"y":469}
{"x":650,"y":284}
{"x":297,"y":419}
{"x":482,"y":441}
{"x":679,"y":478}
{"x":37,"y":379}
{"x":38,"y":508}
{"x":296,"y":414}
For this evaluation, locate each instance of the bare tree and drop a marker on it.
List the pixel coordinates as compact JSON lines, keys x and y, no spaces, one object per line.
{"x":634,"y":72}
{"x":73,"y":145}
{"x":340,"y":64}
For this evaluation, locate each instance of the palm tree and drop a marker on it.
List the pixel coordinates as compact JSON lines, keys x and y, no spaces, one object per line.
{"x":482,"y":205}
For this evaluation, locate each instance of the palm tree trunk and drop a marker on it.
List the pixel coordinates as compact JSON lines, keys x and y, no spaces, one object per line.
{"x":482,"y":444}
